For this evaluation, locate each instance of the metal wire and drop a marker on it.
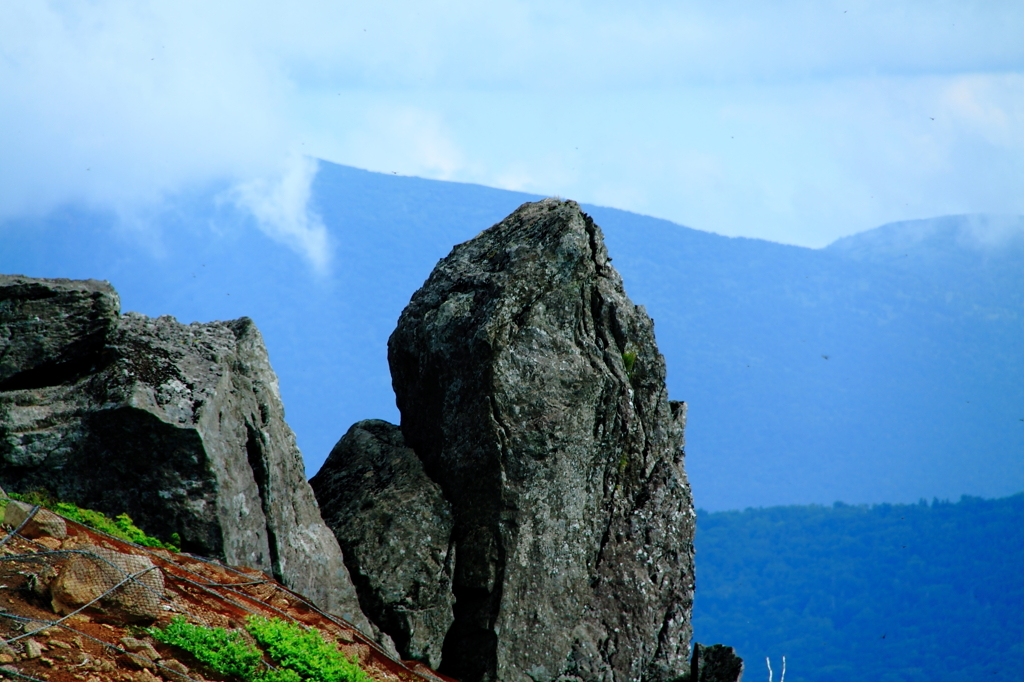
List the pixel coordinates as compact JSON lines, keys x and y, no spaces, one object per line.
{"x":8,"y":670}
{"x":113,"y":647}
{"x":16,"y":531}
{"x":113,"y":589}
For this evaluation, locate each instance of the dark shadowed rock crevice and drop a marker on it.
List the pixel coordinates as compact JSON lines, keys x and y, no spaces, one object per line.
{"x":256,"y":456}
{"x":533,"y":393}
{"x":181,"y":426}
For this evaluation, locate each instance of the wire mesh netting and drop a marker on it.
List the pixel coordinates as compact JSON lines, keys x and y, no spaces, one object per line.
{"x":75,"y":603}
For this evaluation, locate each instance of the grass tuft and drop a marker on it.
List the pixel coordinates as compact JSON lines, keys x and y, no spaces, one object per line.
{"x":304,"y":651}
{"x":226,"y":652}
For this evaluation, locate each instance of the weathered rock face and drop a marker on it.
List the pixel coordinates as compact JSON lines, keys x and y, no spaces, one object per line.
{"x":41,"y":348}
{"x":532,"y":391}
{"x":180,"y":426}
{"x":395,"y":530}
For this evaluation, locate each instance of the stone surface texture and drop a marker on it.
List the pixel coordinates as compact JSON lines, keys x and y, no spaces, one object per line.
{"x":532,"y":391}
{"x":395,"y":530}
{"x":181,"y":426}
{"x":98,"y":573}
{"x":41,"y":524}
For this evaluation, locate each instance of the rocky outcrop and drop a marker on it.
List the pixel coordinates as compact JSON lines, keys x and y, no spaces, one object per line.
{"x":533,"y":393}
{"x":53,"y":331}
{"x":395,"y":530}
{"x":715,"y":663}
{"x":180,"y":426}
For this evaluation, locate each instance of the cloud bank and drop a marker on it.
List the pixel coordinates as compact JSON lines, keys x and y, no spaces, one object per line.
{"x":793,"y":121}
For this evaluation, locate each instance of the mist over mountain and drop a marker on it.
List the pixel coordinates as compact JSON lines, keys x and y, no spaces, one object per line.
{"x":884,"y":368}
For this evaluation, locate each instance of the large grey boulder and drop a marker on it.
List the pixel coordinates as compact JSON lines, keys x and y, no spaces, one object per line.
{"x":181,"y":426}
{"x":532,"y":390}
{"x":395,"y":529}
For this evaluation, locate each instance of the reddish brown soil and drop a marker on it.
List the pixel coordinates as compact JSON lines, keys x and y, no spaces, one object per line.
{"x":87,"y":647}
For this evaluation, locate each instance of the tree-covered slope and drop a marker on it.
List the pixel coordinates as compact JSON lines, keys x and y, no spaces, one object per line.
{"x":889,"y":593}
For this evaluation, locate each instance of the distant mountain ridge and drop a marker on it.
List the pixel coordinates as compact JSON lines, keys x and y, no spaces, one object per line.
{"x":950,"y":238}
{"x":812,"y":375}
{"x":972,"y":261}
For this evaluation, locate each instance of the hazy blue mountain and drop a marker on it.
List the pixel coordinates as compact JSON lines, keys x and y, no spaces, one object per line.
{"x":921,"y":393}
{"x":922,"y":390}
{"x":907,"y":593}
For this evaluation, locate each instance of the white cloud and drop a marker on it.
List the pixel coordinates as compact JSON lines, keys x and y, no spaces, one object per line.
{"x":798,"y":121}
{"x":800,"y":162}
{"x":990,"y":107}
{"x":987,"y":232}
{"x":281,"y":208}
{"x":408,"y":140}
{"x":120,"y":103}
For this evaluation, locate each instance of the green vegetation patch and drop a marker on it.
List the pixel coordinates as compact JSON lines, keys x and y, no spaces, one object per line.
{"x":300,"y":655}
{"x":629,"y":361}
{"x":120,"y":527}
{"x":227,"y":652}
{"x":304,"y":651}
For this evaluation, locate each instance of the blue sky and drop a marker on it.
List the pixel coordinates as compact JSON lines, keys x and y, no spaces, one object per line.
{"x":798,"y":122}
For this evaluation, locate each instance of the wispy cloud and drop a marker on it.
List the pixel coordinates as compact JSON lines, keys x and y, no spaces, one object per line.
{"x":987,"y":232}
{"x":404,"y":139}
{"x":280,"y":205}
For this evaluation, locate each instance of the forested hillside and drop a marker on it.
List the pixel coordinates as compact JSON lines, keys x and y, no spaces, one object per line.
{"x":887,"y":593}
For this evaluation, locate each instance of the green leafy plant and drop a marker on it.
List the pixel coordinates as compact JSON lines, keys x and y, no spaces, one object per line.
{"x":304,"y":651}
{"x":226,"y":652}
{"x":629,"y":361}
{"x":301,"y":655}
{"x":121,"y":526}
